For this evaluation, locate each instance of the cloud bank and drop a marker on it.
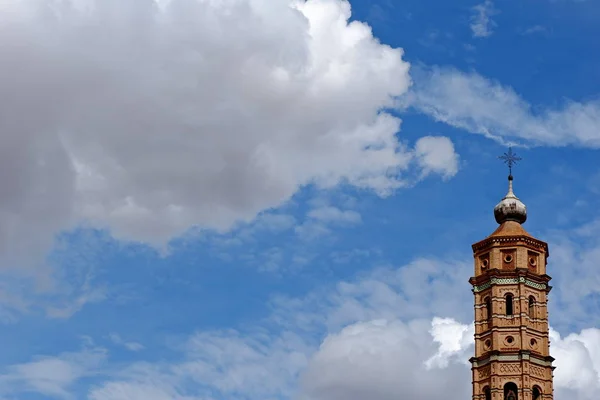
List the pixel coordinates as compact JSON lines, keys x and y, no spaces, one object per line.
{"x":149,"y":117}
{"x":353,"y":341}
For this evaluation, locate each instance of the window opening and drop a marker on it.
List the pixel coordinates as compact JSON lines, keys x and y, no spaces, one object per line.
{"x":488,"y":308}
{"x":487,"y":393}
{"x":537,"y":393}
{"x":511,"y":391}
{"x":509,"y":304}
{"x":531,"y":307}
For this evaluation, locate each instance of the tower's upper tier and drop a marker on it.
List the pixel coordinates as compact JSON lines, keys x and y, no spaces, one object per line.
{"x":510,"y":207}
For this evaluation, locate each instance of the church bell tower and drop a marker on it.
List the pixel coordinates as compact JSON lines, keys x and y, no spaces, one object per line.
{"x":512,"y":350}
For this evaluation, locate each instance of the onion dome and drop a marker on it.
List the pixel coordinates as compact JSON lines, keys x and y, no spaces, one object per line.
{"x":510,"y":207}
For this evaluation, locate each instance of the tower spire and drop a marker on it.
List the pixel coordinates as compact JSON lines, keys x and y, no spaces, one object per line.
{"x":510,"y":207}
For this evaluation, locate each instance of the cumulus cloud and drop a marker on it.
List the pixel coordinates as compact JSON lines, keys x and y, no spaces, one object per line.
{"x":482,"y":24}
{"x":578,"y":363}
{"x":453,"y":339}
{"x":380,"y":360}
{"x":388,"y":360}
{"x":476,"y":104}
{"x":148,"y":117}
{"x":437,"y":155}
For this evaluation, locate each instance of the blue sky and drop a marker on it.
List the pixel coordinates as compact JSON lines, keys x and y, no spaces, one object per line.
{"x":276,"y":200}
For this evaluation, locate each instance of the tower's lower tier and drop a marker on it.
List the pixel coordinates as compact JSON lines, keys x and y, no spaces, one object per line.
{"x":516,"y":376}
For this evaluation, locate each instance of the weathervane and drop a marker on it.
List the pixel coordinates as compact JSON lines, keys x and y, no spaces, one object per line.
{"x":510,"y":159}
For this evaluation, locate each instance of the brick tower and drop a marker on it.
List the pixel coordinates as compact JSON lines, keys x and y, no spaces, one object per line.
{"x":512,"y":353}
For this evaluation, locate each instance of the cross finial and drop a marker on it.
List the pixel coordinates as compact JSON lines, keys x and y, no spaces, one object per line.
{"x":510,"y":159}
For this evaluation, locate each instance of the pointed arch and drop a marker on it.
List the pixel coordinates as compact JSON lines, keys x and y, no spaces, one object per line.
{"x":509,"y":304}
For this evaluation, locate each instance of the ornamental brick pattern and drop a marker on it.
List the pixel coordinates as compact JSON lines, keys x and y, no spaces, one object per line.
{"x":510,"y":286}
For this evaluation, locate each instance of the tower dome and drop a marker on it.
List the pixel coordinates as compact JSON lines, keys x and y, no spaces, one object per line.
{"x":510,"y":207}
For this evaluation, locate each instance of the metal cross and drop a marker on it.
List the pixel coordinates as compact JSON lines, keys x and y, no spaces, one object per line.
{"x":510,"y":159}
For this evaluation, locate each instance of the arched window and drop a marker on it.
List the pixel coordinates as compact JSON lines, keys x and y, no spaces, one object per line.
{"x":487,"y":393}
{"x":509,"y":304}
{"x":488,"y":308}
{"x":511,"y":392}
{"x":531,"y":307}
{"x":537,"y":393}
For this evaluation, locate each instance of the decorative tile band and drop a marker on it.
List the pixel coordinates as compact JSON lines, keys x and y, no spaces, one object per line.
{"x":512,"y":357}
{"x":524,"y":315}
{"x":508,"y":357}
{"x":508,"y":281}
{"x":535,"y":285}
{"x":481,"y":288}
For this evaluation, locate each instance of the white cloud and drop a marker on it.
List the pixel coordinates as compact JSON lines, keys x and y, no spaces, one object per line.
{"x":437,"y":155}
{"x":381,"y":360}
{"x":141,"y":381}
{"x":387,"y":360}
{"x":334,"y":214}
{"x":573,"y":296}
{"x":344,"y":257}
{"x":273,"y":222}
{"x":375,"y":327}
{"x":396,"y":293}
{"x":52,"y":376}
{"x":135,"y":391}
{"x":12,"y":303}
{"x":453,"y":339}
{"x":312,"y":230}
{"x":218,"y":364}
{"x":471,"y":102}
{"x":132,"y":346}
{"x":577,"y":373}
{"x":259,"y":365}
{"x":481,"y":23}
{"x":393,"y":333}
{"x":150,"y":117}
{"x":65,"y":306}
{"x":323,"y":216}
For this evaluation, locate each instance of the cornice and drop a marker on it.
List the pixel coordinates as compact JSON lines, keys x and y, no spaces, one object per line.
{"x":528,"y":240}
{"x":514,"y":356}
{"x":510,"y":281}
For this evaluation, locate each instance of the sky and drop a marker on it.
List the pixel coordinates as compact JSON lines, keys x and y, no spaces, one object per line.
{"x":276,"y":199}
